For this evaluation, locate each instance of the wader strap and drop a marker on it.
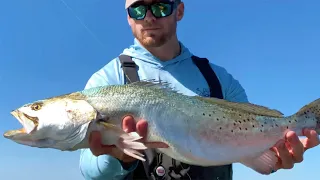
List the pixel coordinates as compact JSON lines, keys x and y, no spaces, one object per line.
{"x":210,"y":76}
{"x":129,"y":68}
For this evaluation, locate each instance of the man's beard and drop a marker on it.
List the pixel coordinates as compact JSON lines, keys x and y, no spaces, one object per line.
{"x":154,"y":39}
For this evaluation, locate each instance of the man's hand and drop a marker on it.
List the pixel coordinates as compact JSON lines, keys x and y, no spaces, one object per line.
{"x":128,"y":125}
{"x":291,"y":150}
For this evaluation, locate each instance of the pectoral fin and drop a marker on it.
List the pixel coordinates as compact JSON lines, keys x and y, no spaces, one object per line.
{"x":126,"y":142}
{"x":263,"y":164}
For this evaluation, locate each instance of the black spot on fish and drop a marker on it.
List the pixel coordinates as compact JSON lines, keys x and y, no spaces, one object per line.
{"x":240,"y":128}
{"x":204,"y":114}
{"x":244,"y":120}
{"x":287,"y":127}
{"x":210,"y":115}
{"x":277,"y":125}
{"x":265,"y":122}
{"x":246,"y":128}
{"x":231,"y":130}
{"x":252,"y":125}
{"x":289,"y":121}
{"x":234,"y":124}
{"x":262,"y":125}
{"x":220,"y":127}
{"x":217,"y":119}
{"x":260,"y":130}
{"x":240,"y":122}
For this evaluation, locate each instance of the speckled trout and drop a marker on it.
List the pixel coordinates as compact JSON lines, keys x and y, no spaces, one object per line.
{"x":201,"y":131}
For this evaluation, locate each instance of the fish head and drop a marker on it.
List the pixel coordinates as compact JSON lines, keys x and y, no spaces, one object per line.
{"x":59,"y":122}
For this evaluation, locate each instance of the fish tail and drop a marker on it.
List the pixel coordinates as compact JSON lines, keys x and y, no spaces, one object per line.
{"x":310,"y":115}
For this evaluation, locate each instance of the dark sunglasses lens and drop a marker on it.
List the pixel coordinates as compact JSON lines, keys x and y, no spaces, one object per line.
{"x":137,"y":12}
{"x":161,"y":9}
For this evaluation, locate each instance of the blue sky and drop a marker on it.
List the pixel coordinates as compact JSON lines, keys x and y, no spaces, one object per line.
{"x":270,"y":46}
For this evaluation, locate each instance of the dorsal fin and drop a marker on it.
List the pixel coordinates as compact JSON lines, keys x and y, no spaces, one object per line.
{"x":245,"y":107}
{"x":313,"y":107}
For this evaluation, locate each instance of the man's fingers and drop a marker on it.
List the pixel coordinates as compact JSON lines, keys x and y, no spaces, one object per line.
{"x":295,"y":146}
{"x":312,"y":139}
{"x":142,"y":128}
{"x":95,"y":145}
{"x":98,"y":149}
{"x":285,"y":156}
{"x":128,"y":124}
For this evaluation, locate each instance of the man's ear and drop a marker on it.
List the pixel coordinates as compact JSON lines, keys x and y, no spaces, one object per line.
{"x":129,"y":20}
{"x":180,"y":11}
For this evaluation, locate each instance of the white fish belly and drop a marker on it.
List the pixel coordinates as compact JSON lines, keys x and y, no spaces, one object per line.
{"x":206,"y":142}
{"x":191,"y":150}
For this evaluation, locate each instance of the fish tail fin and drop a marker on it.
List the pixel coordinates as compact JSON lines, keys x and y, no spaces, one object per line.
{"x":311,"y":110}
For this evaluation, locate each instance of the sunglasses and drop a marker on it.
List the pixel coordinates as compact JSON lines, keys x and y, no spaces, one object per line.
{"x":139,"y":10}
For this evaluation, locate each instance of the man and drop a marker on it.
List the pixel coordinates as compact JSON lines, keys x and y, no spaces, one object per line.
{"x":160,"y":55}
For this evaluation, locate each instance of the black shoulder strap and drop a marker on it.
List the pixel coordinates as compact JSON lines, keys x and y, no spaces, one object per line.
{"x":129,"y":69}
{"x":209,"y":75}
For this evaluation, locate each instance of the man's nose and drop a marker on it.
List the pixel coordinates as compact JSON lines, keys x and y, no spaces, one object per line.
{"x":149,"y":16}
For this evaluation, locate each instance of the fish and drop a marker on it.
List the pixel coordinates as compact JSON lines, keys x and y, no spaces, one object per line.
{"x":202,"y":131}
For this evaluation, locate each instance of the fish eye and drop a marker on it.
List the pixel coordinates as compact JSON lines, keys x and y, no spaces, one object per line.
{"x":36,"y":107}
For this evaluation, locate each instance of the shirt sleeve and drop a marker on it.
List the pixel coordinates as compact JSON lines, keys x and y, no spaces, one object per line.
{"x":101,"y":167}
{"x":231,"y":88}
{"x":234,"y":91}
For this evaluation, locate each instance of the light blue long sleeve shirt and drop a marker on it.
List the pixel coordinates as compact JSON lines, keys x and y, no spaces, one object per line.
{"x":180,"y":72}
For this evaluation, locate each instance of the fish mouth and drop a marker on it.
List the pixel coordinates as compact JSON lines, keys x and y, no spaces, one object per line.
{"x":29,"y":124}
